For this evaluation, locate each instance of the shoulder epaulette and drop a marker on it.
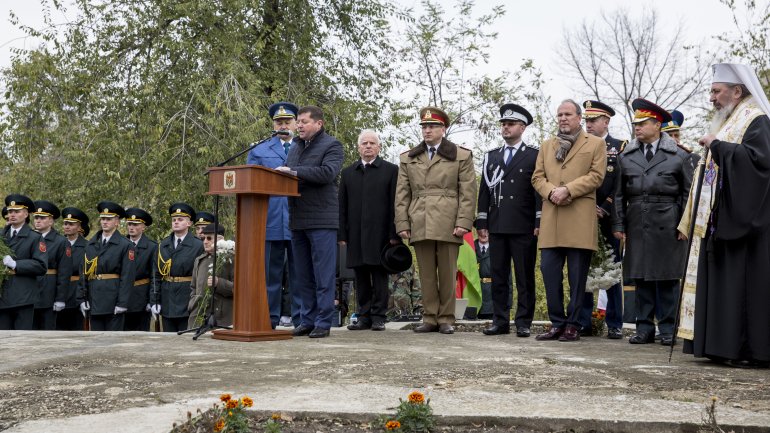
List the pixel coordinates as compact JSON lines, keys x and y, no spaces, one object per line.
{"x":532,"y":146}
{"x":463,"y":147}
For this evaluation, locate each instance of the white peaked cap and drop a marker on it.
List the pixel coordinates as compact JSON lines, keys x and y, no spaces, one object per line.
{"x":736,"y":73}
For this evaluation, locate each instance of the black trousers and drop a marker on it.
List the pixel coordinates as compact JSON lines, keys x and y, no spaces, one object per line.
{"x":44,"y":319}
{"x":17,"y":318}
{"x":107,"y":322}
{"x":137,"y":321}
{"x":522,"y":249}
{"x":656,"y":298}
{"x":69,"y":319}
{"x":552,"y":267}
{"x":174,"y":324}
{"x":371,"y":292}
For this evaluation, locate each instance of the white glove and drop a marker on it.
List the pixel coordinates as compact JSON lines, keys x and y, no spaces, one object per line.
{"x":9,"y":261}
{"x":148,"y":308}
{"x":84,"y":306}
{"x":155,"y":309}
{"x":120,"y":310}
{"x":58,"y":306}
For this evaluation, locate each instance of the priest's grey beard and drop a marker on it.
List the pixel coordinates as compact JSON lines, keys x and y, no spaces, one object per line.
{"x":720,"y":117}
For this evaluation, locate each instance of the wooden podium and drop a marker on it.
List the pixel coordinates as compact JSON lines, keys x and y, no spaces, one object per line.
{"x":252,"y":185}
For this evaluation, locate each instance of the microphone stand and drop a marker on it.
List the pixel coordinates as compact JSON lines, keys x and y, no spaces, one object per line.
{"x":210,"y":322}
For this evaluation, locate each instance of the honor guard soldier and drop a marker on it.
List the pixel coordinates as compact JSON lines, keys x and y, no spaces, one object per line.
{"x":597,"y":117}
{"x":175,"y":260}
{"x":145,"y":253}
{"x":202,"y":219}
{"x":54,"y":285}
{"x":29,"y":261}
{"x":107,"y":273}
{"x":509,"y":213}
{"x":75,"y":229}
{"x":279,"y":260}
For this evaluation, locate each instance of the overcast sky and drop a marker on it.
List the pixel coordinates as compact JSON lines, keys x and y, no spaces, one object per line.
{"x":529,"y":29}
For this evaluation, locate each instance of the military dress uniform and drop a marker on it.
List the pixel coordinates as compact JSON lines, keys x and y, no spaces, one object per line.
{"x":20,"y":289}
{"x":509,"y":207}
{"x":485,"y":274}
{"x":54,"y":285}
{"x":649,"y":200}
{"x":605,"y":196}
{"x":146,"y":251}
{"x":70,"y":318}
{"x":202,"y":219}
{"x":107,"y":274}
{"x":175,"y":261}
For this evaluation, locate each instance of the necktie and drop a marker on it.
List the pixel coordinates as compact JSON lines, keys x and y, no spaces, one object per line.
{"x":178,"y":241}
{"x":431,"y":152}
{"x":13,"y":233}
{"x":509,"y":154}
{"x":104,"y":242}
{"x":649,"y":154}
{"x":483,"y":250}
{"x":286,"y":146}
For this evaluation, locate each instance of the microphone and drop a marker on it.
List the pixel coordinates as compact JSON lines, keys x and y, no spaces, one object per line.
{"x":282,"y":132}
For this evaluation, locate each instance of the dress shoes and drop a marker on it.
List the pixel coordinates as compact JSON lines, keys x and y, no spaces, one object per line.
{"x":446,"y":328}
{"x":302,"y":330}
{"x":666,"y":340}
{"x":614,"y":334}
{"x":642,"y":338}
{"x":571,"y":333}
{"x":426,"y":327}
{"x":359,"y":326}
{"x":497,"y":330}
{"x":378,"y":325}
{"x":523,"y":331}
{"x":319,"y":333}
{"x":552,"y":334}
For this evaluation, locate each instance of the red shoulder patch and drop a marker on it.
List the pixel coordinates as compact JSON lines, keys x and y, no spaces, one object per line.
{"x":69,"y":252}
{"x":42,"y":247}
{"x":131,"y":255}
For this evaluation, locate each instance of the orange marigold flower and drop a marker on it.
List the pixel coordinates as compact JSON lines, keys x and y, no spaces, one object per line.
{"x":416,"y":397}
{"x":230,"y":413}
{"x":220,"y":425}
{"x":225,"y":397}
{"x":392,"y":425}
{"x":232,"y":404}
{"x":247,"y":402}
{"x":276,"y":416}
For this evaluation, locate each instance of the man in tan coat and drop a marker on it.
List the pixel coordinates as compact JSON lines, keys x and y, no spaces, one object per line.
{"x":435,"y":207}
{"x":569,"y":169}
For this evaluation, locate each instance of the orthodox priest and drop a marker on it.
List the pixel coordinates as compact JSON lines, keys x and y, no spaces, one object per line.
{"x":727,"y":287}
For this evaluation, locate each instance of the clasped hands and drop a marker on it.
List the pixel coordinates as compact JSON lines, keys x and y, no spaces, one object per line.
{"x":560,"y":196}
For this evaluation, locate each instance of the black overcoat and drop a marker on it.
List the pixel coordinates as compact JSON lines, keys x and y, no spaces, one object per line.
{"x":649,"y":201}
{"x":367,"y":213}
{"x":78,"y":252}
{"x":54,"y":287}
{"x":146,"y":269}
{"x":116,"y":257}
{"x":173,"y":297}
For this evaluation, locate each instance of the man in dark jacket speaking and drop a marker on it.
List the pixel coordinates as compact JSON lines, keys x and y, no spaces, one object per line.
{"x":315,"y":158}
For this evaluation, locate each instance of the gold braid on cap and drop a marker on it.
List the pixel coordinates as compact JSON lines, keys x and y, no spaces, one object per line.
{"x":164,"y":266}
{"x":90,"y":267}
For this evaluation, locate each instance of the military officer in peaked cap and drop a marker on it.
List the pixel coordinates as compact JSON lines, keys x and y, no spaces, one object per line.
{"x":509,"y":213}
{"x":107,"y":272}
{"x":278,"y":251}
{"x":175,"y":260}
{"x":674,"y":129}
{"x":202,"y":219}
{"x":435,"y":196}
{"x":146,"y":250}
{"x":75,"y":229}
{"x":29,"y":261}
{"x":653,"y":186}
{"x":597,"y":116}
{"x":54,"y":285}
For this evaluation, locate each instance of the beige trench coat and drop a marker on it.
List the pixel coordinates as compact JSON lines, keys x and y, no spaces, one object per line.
{"x":573,"y":225}
{"x":433,"y":196}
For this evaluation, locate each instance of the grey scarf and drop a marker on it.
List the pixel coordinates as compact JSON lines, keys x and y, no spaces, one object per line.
{"x":565,"y":144}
